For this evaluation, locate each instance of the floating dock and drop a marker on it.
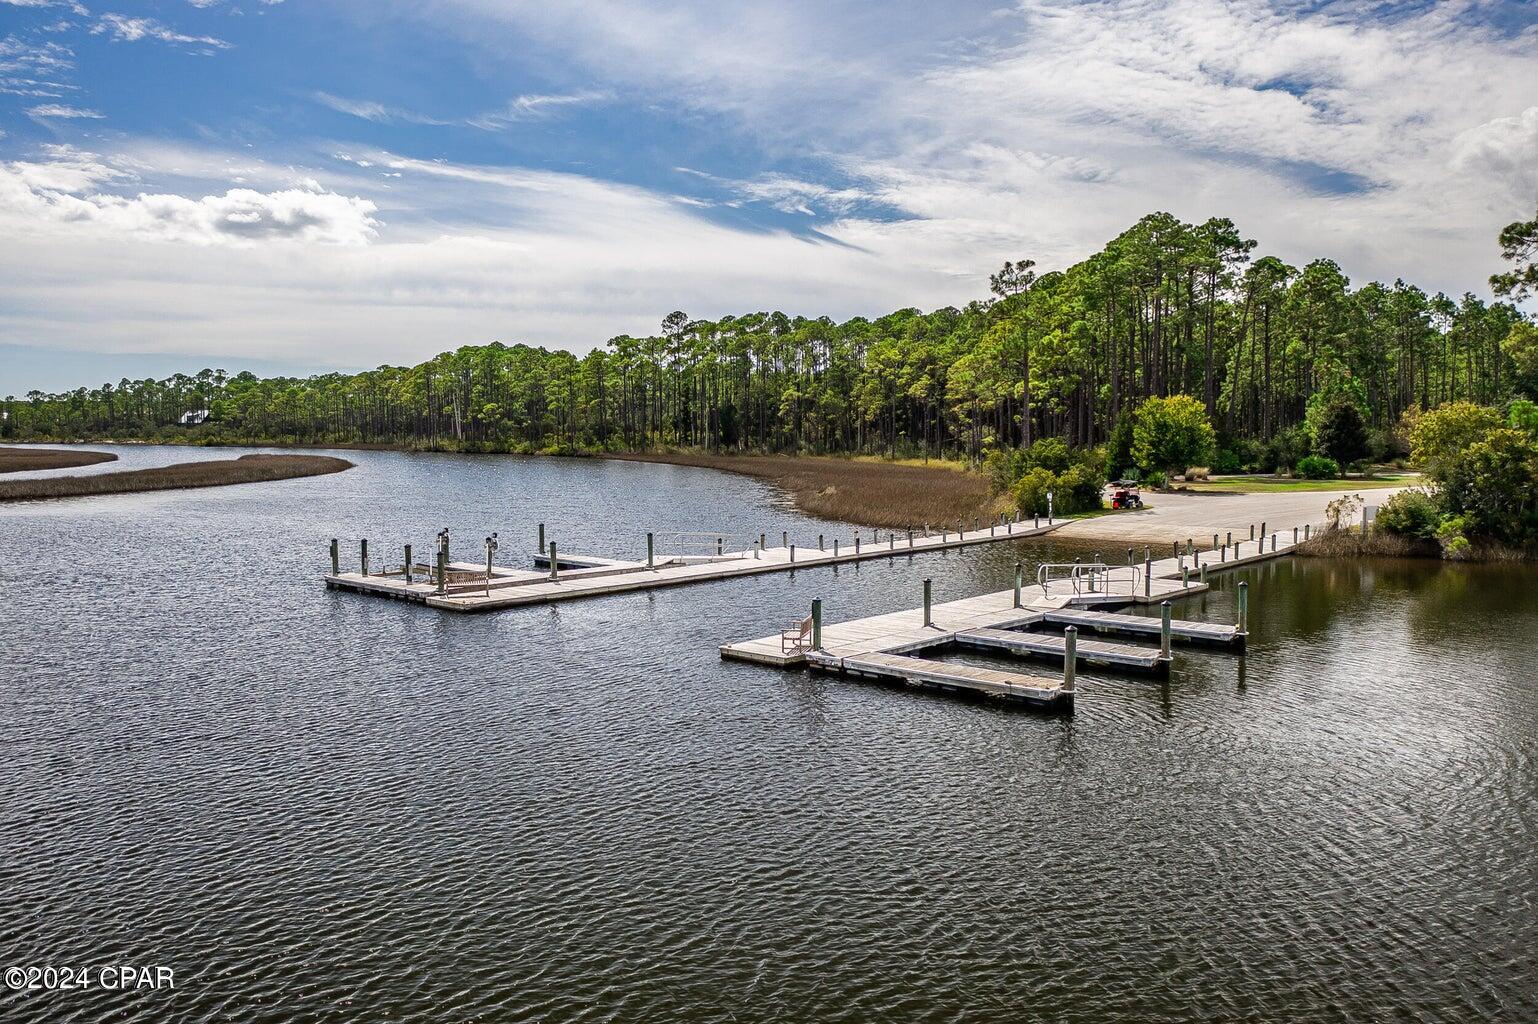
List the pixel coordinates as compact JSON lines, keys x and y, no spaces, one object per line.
{"x":891,"y":647}
{"x":482,"y":586}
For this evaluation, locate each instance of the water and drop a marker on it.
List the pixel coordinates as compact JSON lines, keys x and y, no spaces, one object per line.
{"x":315,"y":806}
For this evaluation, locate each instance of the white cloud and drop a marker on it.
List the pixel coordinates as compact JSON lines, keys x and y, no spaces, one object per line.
{"x":1503,"y":150}
{"x":59,"y":110}
{"x":63,"y":192}
{"x":124,"y":29}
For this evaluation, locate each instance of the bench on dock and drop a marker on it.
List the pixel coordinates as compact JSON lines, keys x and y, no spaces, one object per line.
{"x":798,"y":637}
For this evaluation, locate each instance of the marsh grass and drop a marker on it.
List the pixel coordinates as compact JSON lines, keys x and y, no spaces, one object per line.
{"x":869,"y":492}
{"x":24,"y":460}
{"x":1381,"y":544}
{"x":244,"y":470}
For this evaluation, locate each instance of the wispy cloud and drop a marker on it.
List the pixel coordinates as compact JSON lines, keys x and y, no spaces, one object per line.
{"x":59,"y":110}
{"x":124,"y":29}
{"x":520,"y":108}
{"x":379,"y":113}
{"x":533,"y":106}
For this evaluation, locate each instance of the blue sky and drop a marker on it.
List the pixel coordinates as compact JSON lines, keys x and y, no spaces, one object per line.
{"x":306,"y":185}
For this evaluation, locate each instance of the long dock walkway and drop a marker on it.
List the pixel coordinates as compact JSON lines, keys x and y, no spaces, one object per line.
{"x":885,"y":646}
{"x":468,"y":587}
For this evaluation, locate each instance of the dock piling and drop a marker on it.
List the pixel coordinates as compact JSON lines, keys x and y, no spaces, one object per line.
{"x":1147,"y":576}
{"x":363,"y":555}
{"x":928,"y":587}
{"x":784,"y":538}
{"x":1019,"y":581}
{"x":1070,"y":657}
{"x":1164,"y":631}
{"x":1129,"y":556}
{"x":554,"y":564}
{"x":816,"y":623}
{"x":443,"y":564}
{"x":819,"y":542}
{"x":651,"y":551}
{"x":1244,"y":609}
{"x":336,"y":558}
{"x":792,"y":552}
{"x":540,"y":544}
{"x":857,"y":544}
{"x":1306,"y":528}
{"x":408,"y":564}
{"x":835,"y":547}
{"x":1273,"y":543}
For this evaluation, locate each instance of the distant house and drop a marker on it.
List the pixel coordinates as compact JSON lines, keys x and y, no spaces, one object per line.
{"x":194,"y":417}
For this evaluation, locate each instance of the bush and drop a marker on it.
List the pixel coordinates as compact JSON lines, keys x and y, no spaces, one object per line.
{"x":1342,"y":433}
{"x":1492,"y":485}
{"x":1440,"y":436}
{"x":1286,"y":450}
{"x":1410,"y":514}
{"x":1198,"y":473}
{"x":1156,"y":479}
{"x":1077,"y":489}
{"x":1171,"y":433}
{"x":1318,"y":467}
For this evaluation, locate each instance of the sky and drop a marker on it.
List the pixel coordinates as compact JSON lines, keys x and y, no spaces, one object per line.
{"x":293,"y":186}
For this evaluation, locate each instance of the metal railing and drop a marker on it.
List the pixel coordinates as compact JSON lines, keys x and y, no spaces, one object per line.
{"x":1089,"y":577}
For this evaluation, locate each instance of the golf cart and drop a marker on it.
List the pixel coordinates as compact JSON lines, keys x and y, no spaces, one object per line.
{"x":1124,"y":494}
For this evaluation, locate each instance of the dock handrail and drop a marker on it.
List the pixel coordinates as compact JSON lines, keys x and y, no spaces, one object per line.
{"x":1086,"y":577}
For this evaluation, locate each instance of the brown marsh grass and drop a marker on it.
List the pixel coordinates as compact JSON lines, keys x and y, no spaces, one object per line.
{"x":22,"y":460}
{"x":867,"y":492}
{"x":244,"y":470}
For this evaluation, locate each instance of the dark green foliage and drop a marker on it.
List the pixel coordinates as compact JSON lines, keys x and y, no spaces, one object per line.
{"x":1318,"y":467}
{"x":1342,"y":433}
{"x":1286,"y":450}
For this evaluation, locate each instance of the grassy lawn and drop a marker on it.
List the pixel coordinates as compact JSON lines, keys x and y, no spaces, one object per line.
{"x":1258,"y":484}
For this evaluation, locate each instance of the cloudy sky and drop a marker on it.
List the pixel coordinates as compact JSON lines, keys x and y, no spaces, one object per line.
{"x":291,"y":185}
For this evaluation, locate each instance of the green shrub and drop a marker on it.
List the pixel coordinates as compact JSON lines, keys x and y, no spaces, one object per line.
{"x":1228,"y":461}
{"x":1286,"y":450}
{"x":1318,"y":467}
{"x":1410,"y":514}
{"x":1171,"y":433}
{"x":1157,"y":479}
{"x":1342,"y":433}
{"x":1077,"y":489}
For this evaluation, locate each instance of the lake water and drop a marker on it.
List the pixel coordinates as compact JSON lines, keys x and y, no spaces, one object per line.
{"x":317,"y":806}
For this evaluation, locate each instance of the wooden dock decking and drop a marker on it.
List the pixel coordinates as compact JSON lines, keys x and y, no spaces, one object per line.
{"x":1142,"y":625}
{"x":882,"y":645}
{"x":969,"y":679}
{"x":1053,"y":646}
{"x":581,"y":575}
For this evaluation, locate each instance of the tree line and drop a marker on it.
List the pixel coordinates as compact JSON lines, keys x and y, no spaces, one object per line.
{"x":1166,"y":308}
